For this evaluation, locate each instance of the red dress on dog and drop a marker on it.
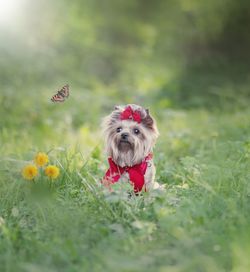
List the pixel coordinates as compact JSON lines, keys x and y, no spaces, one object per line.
{"x":136,"y":173}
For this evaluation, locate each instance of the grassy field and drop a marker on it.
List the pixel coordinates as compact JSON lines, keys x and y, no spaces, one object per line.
{"x":200,"y":223}
{"x":188,"y":62}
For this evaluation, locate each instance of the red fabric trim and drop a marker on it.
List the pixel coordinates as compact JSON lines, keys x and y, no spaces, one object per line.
{"x":136,"y":173}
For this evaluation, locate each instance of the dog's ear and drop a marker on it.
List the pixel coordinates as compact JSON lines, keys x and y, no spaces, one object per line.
{"x":117,"y":107}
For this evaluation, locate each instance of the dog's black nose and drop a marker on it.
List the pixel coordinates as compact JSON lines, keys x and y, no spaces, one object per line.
{"x":124,"y":136}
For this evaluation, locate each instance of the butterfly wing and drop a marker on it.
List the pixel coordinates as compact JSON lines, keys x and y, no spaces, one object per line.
{"x":64,"y":91}
{"x":57,"y":98}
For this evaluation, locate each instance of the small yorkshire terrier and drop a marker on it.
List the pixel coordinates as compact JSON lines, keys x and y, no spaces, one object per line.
{"x":130,"y":135}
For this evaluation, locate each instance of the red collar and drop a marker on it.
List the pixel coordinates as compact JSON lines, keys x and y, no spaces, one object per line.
{"x":136,"y":173}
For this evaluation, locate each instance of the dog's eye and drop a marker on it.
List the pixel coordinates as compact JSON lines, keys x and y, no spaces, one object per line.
{"x":136,"y":131}
{"x":119,"y":129}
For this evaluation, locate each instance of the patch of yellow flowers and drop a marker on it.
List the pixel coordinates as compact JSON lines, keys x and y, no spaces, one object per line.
{"x":30,"y":171}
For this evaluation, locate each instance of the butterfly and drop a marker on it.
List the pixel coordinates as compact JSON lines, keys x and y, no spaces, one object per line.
{"x":61,"y":95}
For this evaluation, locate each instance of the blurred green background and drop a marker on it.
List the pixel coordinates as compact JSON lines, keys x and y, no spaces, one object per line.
{"x":186,"y":60}
{"x":161,"y":54}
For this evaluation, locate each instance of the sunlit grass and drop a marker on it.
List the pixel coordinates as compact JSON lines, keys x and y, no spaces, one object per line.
{"x":75,"y":224}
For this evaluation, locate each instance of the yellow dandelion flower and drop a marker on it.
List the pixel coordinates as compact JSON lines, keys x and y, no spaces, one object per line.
{"x":30,"y":171}
{"x":41,"y":159}
{"x":52,"y":171}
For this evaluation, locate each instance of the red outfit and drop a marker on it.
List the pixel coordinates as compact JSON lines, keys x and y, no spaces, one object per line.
{"x":136,"y":173}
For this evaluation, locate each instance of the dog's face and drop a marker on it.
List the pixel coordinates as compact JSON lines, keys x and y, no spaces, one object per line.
{"x":130,"y":134}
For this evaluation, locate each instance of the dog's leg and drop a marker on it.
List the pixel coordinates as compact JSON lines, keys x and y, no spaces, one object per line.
{"x":149,"y":178}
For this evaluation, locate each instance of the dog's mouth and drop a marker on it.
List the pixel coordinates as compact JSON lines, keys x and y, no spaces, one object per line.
{"x":125,"y":145}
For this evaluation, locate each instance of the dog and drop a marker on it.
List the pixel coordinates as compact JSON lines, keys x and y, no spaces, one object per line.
{"x":130,"y":133}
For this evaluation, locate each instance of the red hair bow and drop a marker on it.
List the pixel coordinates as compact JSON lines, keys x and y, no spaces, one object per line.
{"x":128,"y":113}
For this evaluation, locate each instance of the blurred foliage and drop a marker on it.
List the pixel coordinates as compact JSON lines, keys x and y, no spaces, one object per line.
{"x":186,"y":53}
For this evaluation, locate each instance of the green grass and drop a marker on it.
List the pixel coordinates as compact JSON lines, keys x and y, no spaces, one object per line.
{"x":188,"y":62}
{"x":200,"y":223}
